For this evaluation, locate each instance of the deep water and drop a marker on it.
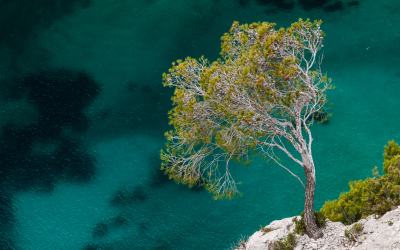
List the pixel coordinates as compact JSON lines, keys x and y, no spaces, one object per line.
{"x":83,"y":116}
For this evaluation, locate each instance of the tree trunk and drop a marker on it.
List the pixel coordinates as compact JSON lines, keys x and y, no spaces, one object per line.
{"x":311,"y":227}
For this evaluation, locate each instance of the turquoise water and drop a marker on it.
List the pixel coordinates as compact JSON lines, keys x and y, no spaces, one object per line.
{"x":79,"y":151}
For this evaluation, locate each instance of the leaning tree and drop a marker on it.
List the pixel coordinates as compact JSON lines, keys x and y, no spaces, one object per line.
{"x":263,"y":95}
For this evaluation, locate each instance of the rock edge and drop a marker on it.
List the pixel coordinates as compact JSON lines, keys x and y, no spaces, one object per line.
{"x":379,"y":233}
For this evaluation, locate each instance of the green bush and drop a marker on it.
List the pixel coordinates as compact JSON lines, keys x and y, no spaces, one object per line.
{"x":354,"y":232}
{"x":391,"y":151}
{"x":300,"y":227}
{"x":288,"y":243}
{"x":376,"y":195}
{"x":265,"y":229}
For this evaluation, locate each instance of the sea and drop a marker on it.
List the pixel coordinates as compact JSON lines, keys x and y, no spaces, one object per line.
{"x":84,"y":112}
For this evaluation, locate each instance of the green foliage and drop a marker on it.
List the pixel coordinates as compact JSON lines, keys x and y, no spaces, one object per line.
{"x":348,"y":208}
{"x":391,"y":151}
{"x":229,"y":107}
{"x":320,"y":219}
{"x":288,"y":243}
{"x":376,"y":195}
{"x":300,"y":227}
{"x":265,"y":229}
{"x":354,"y":232}
{"x":321,"y":117}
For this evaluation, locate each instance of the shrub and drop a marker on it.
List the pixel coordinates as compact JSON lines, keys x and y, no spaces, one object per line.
{"x":265,"y":229}
{"x":354,"y":232}
{"x":300,"y":228}
{"x":348,"y":208}
{"x":288,"y":243}
{"x":240,"y":245}
{"x":391,"y":151}
{"x":376,"y":195}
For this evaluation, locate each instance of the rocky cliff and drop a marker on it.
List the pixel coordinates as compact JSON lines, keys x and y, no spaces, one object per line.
{"x":376,"y":234}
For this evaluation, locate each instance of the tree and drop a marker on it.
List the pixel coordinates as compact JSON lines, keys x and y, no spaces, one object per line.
{"x":261,"y":96}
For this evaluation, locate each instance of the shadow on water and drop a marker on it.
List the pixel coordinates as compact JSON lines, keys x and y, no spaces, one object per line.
{"x":74,"y":162}
{"x":143,"y":226}
{"x":126,"y":197}
{"x":119,"y":221}
{"x":157,"y":176}
{"x":60,"y":97}
{"x":92,"y":246}
{"x":7,"y":220}
{"x":307,"y":5}
{"x":24,"y":171}
{"x":100,"y":230}
{"x":353,"y":4}
{"x":327,"y":5}
{"x":39,"y":155}
{"x":20,"y":20}
{"x":335,"y":7}
{"x":104,"y":228}
{"x":284,"y":5}
{"x":161,"y":244}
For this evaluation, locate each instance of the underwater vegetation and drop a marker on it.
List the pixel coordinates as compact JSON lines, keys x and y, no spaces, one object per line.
{"x":126,"y":197}
{"x":37,"y":156}
{"x":307,"y":5}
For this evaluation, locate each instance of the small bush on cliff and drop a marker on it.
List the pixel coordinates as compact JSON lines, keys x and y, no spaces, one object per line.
{"x":265,"y":229}
{"x":354,"y":232}
{"x":376,"y":195}
{"x":300,"y":228}
{"x":288,"y":243}
{"x":240,"y":245}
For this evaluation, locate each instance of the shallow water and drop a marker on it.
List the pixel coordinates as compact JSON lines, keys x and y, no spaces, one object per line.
{"x":84,"y":113}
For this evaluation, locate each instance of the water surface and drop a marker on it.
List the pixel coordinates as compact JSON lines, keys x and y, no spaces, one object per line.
{"x":84,"y":113}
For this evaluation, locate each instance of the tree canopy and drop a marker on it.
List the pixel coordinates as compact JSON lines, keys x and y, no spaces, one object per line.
{"x":265,"y":90}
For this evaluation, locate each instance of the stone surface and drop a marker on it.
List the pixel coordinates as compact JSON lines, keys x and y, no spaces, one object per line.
{"x":379,"y":233}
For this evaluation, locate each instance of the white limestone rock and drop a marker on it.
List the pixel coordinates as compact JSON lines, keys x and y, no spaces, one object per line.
{"x":280,"y":228}
{"x":382,"y":233}
{"x":379,"y":233}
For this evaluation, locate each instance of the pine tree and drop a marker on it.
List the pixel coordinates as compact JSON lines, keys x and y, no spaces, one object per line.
{"x":264,"y":91}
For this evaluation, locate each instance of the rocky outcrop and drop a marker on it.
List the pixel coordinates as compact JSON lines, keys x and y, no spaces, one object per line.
{"x":378,"y":234}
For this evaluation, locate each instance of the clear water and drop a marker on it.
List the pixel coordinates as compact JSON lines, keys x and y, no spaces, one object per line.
{"x":79,"y":151}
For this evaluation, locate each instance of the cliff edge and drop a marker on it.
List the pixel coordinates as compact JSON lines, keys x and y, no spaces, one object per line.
{"x":375,"y":234}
